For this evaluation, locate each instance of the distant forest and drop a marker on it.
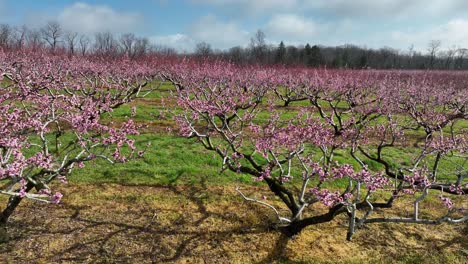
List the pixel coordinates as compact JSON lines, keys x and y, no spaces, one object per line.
{"x":54,"y":38}
{"x":345,"y":56}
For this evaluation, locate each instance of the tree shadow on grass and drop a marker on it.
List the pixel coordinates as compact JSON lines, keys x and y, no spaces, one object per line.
{"x":193,"y":229}
{"x":421,"y":241}
{"x":174,"y":223}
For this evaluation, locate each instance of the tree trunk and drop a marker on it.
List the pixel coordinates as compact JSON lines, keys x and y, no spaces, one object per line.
{"x":284,"y":194}
{"x":292,"y":230}
{"x":13,"y":202}
{"x":3,"y":234}
{"x":297,"y":226}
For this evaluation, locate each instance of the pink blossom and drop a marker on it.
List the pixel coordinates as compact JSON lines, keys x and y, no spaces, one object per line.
{"x":447,"y":201}
{"x":326,"y":197}
{"x":56,"y":198}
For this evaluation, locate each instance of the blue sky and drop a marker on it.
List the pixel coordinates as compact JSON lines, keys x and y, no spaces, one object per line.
{"x":226,"y":23}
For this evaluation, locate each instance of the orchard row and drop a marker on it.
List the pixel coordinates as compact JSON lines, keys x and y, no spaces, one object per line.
{"x":283,"y":126}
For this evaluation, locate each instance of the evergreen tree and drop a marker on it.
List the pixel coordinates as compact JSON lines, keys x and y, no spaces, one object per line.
{"x":307,"y":54}
{"x":280,"y":53}
{"x":363,"y":61}
{"x":315,"y":58}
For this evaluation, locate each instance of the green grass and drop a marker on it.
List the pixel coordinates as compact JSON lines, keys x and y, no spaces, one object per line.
{"x":178,"y":184}
{"x":176,"y":160}
{"x":173,"y":159}
{"x":169,"y":160}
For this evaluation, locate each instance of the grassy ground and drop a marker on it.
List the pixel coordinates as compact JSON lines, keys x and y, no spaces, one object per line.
{"x":169,"y":160}
{"x":173,"y":206}
{"x":128,"y":223}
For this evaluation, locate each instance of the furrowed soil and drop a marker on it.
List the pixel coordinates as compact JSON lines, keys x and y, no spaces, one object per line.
{"x":112,"y":223}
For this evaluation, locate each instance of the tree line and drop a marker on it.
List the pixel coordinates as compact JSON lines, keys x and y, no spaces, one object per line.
{"x":52,"y":36}
{"x":344,"y":56}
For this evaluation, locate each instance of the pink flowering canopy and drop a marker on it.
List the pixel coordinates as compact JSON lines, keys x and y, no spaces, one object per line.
{"x":51,"y":112}
{"x":365,"y":115}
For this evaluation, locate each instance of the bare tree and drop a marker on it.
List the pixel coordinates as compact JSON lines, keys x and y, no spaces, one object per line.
{"x":105,"y":43}
{"x":141,"y":47}
{"x":164,"y":50}
{"x":258,"y":46}
{"x":127,"y":42}
{"x":449,"y":56}
{"x":84,"y":43}
{"x":237,"y":54}
{"x":71,"y":39}
{"x":34,"y":39}
{"x":51,"y":33}
{"x":433,"y":48}
{"x":203,"y":49}
{"x":20,"y":36}
{"x":6,"y":33}
{"x":411,"y":54}
{"x":460,"y":58}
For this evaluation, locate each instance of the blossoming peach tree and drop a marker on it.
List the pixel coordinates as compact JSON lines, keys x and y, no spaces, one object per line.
{"x":51,"y":120}
{"x":358,"y":142}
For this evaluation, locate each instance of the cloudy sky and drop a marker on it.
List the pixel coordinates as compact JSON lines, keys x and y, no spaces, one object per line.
{"x":227,"y":23}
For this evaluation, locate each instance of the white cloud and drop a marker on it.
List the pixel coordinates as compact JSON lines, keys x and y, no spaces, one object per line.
{"x":452,"y":33}
{"x":217,"y":33}
{"x":291,"y":27}
{"x":358,"y":9}
{"x":180,"y":42}
{"x":253,"y":6}
{"x":208,"y":29}
{"x":386,"y":8}
{"x":85,"y":18}
{"x":297,"y":29}
{"x":371,"y":23}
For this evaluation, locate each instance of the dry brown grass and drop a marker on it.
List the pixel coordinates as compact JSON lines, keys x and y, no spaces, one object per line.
{"x":203,"y":224}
